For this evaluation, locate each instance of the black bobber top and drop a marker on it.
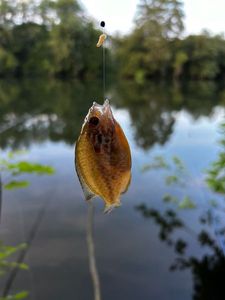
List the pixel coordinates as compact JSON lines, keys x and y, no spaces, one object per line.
{"x":102,"y":23}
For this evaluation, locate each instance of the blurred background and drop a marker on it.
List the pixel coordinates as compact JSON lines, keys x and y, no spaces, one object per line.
{"x":57,"y":39}
{"x":165,"y":71}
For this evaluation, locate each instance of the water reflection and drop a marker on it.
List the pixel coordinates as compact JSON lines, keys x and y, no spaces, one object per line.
{"x":54,"y":111}
{"x":36,"y":110}
{"x":207,"y":265}
{"x":152,"y":106}
{"x":11,"y":171}
{"x":40,"y":110}
{"x":208,"y":270}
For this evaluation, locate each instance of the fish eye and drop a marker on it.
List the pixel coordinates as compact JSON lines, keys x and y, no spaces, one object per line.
{"x":94,"y":121}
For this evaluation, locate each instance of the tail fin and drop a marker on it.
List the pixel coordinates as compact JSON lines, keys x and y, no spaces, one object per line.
{"x":110,"y":207}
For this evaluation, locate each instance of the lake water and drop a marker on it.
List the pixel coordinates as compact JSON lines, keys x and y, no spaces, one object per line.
{"x":152,"y":247}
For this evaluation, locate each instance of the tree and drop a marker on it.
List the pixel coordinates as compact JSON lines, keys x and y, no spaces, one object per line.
{"x":7,"y":13}
{"x":161,"y":18}
{"x":158,"y":22}
{"x":47,"y":37}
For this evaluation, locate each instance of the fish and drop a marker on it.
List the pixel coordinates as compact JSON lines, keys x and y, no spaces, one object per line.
{"x":103,"y":157}
{"x":101,"y":40}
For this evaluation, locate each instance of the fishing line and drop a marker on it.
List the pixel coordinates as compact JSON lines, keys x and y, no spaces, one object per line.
{"x":102,"y":24}
{"x":104,"y":76}
{"x":91,"y":252}
{"x":90,"y":215}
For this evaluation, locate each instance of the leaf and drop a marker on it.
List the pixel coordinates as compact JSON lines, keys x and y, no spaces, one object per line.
{"x":6,"y":251}
{"x":16,"y":185}
{"x":23,"y":266}
{"x":21,"y":295}
{"x":171,"y":179}
{"x":158,"y":163}
{"x":5,"y":254}
{"x":26,"y":167}
{"x":14,"y":265}
{"x":170,"y":198}
{"x":18,"y":296}
{"x":178,"y":163}
{"x":187,"y":203}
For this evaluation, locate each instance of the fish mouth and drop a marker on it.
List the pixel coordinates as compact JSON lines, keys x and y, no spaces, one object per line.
{"x":99,"y":110}
{"x":105,"y":105}
{"x":106,"y":108}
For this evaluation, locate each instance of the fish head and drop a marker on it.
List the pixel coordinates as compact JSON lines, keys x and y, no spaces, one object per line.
{"x":100,"y":120}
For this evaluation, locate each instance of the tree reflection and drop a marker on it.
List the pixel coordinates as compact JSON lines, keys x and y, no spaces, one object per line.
{"x":41,"y":110}
{"x":208,"y":270}
{"x":36,"y":110}
{"x":152,"y":106}
{"x":150,"y":111}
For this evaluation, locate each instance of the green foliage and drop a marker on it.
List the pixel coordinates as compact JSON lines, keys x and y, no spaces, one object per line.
{"x":175,"y":174}
{"x":208,"y":268}
{"x":139,"y":53}
{"x":158,"y":163}
{"x":62,"y":103}
{"x":180,"y":59}
{"x":205,"y":56}
{"x":146,"y":49}
{"x":171,"y":179}
{"x":16,"y":168}
{"x":6,"y":263}
{"x":61,"y":43}
{"x":12,"y":167}
{"x":7,"y":61}
{"x":27,"y":167}
{"x":170,"y":199}
{"x":161,"y":18}
{"x":216,"y":173}
{"x":196,"y":57}
{"x":178,"y":172}
{"x":152,"y":106}
{"x":13,"y":184}
{"x":186,"y":203}
{"x":155,"y":48}
{"x":18,"y":296}
{"x":178,"y":176}
{"x":178,"y":163}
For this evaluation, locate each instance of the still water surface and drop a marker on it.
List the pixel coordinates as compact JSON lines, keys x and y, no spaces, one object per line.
{"x":149,"y":248}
